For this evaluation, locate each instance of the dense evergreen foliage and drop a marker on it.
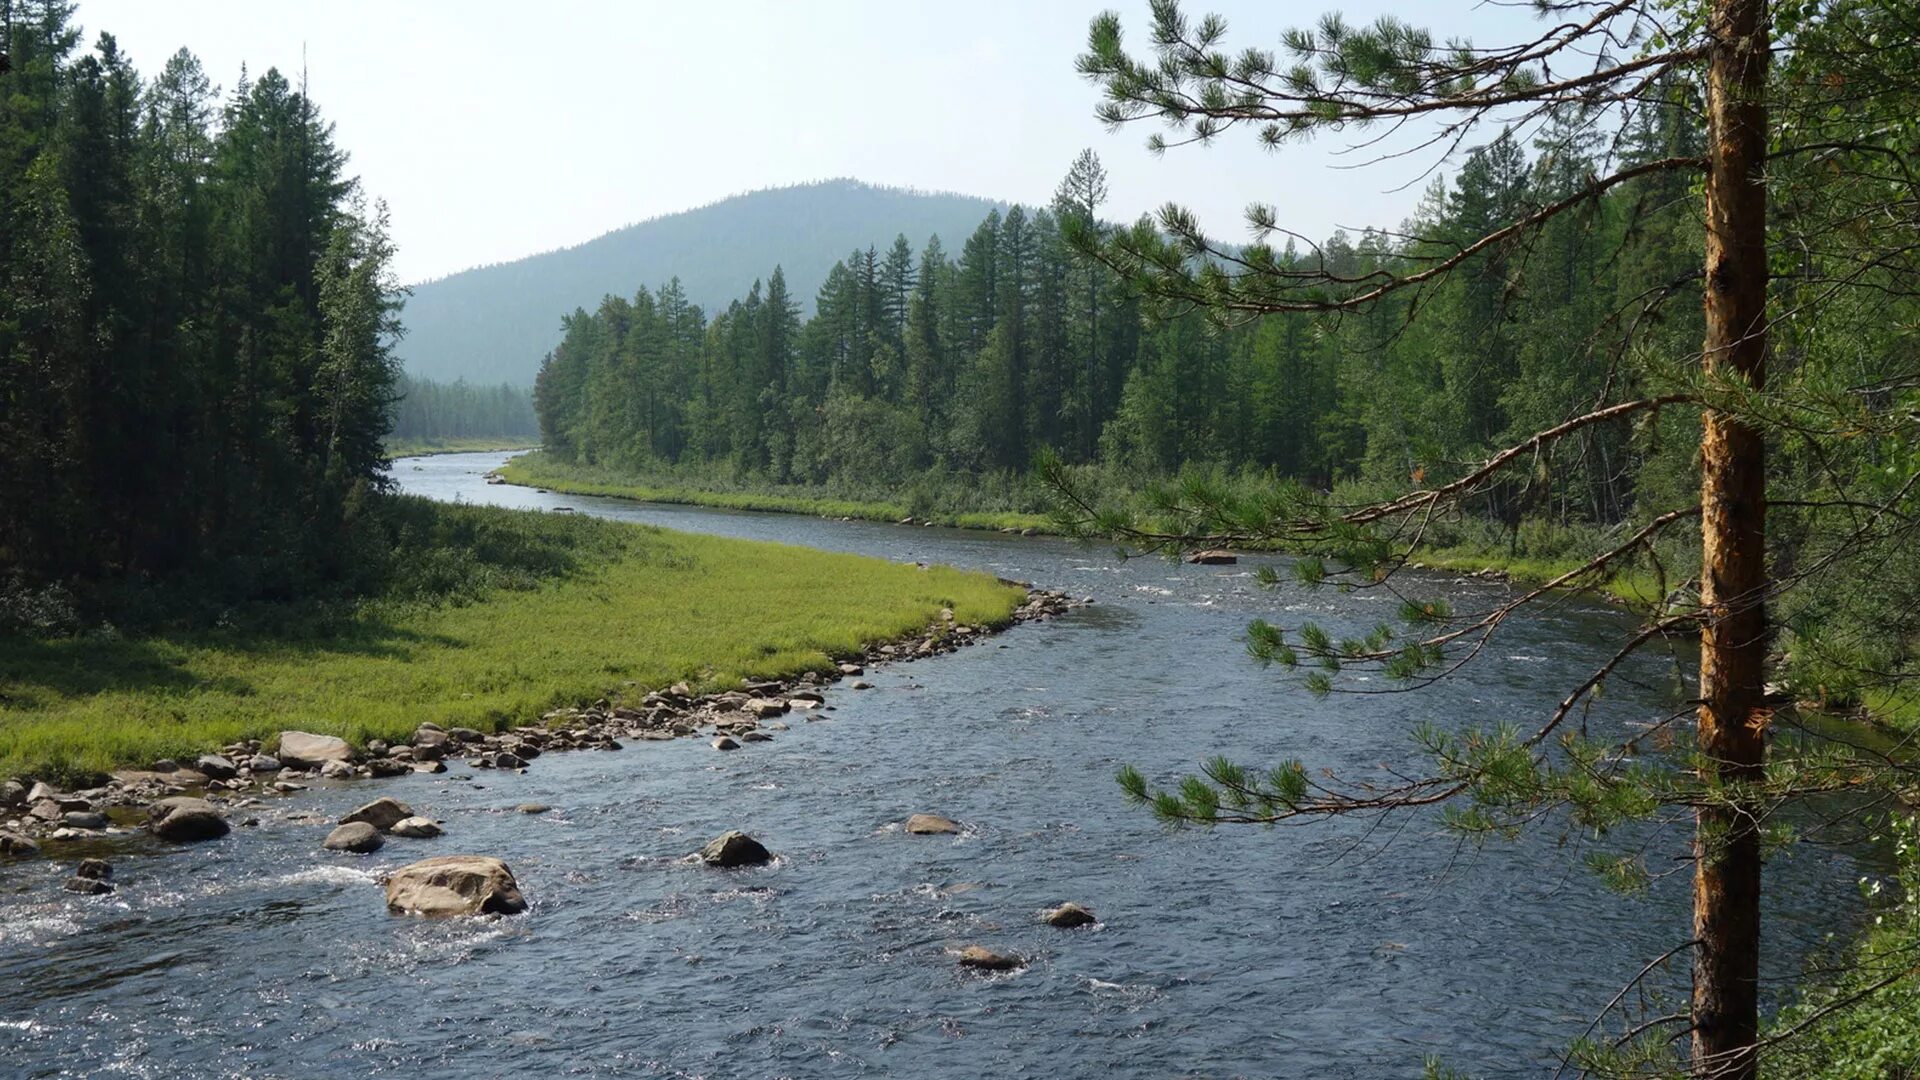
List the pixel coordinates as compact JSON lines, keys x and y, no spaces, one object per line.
{"x":196,"y":317}
{"x":493,"y":323}
{"x":428,"y":412}
{"x":1017,"y":344}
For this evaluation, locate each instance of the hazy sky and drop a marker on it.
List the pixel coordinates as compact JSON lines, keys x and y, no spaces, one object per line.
{"x":496,"y":130}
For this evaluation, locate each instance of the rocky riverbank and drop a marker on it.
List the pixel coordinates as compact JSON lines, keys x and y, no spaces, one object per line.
{"x":38,"y":818}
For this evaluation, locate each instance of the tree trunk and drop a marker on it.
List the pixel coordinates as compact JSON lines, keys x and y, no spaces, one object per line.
{"x":1733,"y":640}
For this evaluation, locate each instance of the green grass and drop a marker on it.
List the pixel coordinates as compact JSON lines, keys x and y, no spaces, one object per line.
{"x":397,"y":448}
{"x":537,"y":470}
{"x":1631,"y":585}
{"x":584,"y":608}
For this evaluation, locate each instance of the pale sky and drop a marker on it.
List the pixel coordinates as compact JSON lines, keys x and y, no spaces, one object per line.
{"x":496,"y":130}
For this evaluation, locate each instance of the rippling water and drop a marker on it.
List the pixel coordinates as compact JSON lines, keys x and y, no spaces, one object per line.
{"x":1323,"y":950}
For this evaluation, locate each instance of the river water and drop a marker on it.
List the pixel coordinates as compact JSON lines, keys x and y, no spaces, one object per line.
{"x":1332,"y":949}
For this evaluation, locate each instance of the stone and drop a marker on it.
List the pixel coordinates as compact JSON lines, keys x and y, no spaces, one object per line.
{"x":98,"y":869}
{"x":42,"y":790}
{"x":217,"y":766}
{"x":862,"y":684}
{"x":430,"y":736}
{"x":46,"y":810}
{"x":756,"y":736}
{"x":435,"y":766}
{"x":931,"y":825}
{"x":852,"y":669}
{"x":416,"y":828}
{"x":13,"y":793}
{"x":734,"y":848}
{"x":1213,"y":558}
{"x":87,"y":886}
{"x":85,"y":819}
{"x":722,"y":742}
{"x":336,"y":770}
{"x":357,"y":837}
{"x":466,"y":735}
{"x":532,"y":808}
{"x":184,"y":819}
{"x":12,"y":843}
{"x":454,"y":885}
{"x":765,"y":707}
{"x":263,"y":763}
{"x":382,"y":767}
{"x":505,"y":760}
{"x":985,"y":959}
{"x":382,"y":813}
{"x":305,"y":750}
{"x":1069,"y":915}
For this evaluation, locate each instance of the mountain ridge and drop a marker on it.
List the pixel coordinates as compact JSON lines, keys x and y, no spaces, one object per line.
{"x":494,"y":323}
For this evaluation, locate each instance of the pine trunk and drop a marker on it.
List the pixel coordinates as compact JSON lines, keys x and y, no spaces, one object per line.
{"x":1726,"y":902}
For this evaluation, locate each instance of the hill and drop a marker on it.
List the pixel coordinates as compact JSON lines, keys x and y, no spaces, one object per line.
{"x":494,"y":323}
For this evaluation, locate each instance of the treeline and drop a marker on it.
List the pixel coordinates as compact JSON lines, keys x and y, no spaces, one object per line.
{"x":975,"y":362}
{"x":196,"y":310}
{"x":427,"y":412}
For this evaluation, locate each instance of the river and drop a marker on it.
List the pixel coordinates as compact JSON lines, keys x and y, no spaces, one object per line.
{"x":1331,"y":949}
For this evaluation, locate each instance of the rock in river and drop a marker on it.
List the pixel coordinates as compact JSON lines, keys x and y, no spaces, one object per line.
{"x":382,"y":813}
{"x":184,"y":818}
{"x":931,"y":825}
{"x":304,"y":750}
{"x":416,"y":828}
{"x":734,"y":848}
{"x":979,"y":956}
{"x":217,"y":766}
{"x":356,"y":836}
{"x":15,"y":844}
{"x":454,"y":885}
{"x":1069,"y":915}
{"x":1213,"y":558}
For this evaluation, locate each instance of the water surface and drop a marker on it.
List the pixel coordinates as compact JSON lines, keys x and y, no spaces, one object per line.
{"x":1334,"y":949}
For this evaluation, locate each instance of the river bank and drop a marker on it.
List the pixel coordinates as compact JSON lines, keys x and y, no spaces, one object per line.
{"x":402,"y":448}
{"x":561,"y":610}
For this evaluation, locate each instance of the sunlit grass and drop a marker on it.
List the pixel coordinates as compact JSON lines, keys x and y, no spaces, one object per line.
{"x":417,"y":447}
{"x":645,"y":610}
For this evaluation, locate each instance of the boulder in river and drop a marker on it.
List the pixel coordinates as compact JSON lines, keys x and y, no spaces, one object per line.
{"x":1213,"y":558}
{"x":305,"y":750}
{"x":723,"y":742}
{"x":416,"y":828}
{"x":92,"y":820}
{"x":1069,"y":915}
{"x":357,"y":837}
{"x":985,"y":959}
{"x":87,"y":886}
{"x":734,"y":848}
{"x":454,"y":885}
{"x":931,"y":825}
{"x":765,"y":707}
{"x":217,"y":766}
{"x":532,"y":808}
{"x":184,"y":818}
{"x":12,"y":843}
{"x":98,"y":869}
{"x":382,"y":813}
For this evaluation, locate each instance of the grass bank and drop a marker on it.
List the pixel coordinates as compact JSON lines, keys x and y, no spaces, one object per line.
{"x":538,"y":470}
{"x":500,"y":615}
{"x":397,"y":448}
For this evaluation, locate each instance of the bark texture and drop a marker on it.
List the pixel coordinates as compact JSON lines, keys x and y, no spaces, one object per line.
{"x":1732,"y":721}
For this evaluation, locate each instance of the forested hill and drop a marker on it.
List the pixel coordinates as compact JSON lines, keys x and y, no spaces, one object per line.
{"x":494,"y":323}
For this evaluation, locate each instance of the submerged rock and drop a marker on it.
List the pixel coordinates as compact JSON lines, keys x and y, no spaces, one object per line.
{"x":357,"y":837}
{"x":306,"y":750}
{"x":1069,"y":915}
{"x":722,"y":742}
{"x":454,"y":885}
{"x":734,"y":848}
{"x":931,"y":825}
{"x":184,"y":819}
{"x":985,"y":959}
{"x":382,"y":813}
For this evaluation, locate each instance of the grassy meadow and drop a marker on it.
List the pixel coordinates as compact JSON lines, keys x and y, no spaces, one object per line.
{"x":495,"y":616}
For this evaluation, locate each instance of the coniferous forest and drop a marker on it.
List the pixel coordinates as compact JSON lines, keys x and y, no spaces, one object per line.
{"x":196,"y":327}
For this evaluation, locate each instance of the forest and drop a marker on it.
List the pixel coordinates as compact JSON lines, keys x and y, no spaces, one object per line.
{"x":196,"y":322}
{"x":429,"y":414}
